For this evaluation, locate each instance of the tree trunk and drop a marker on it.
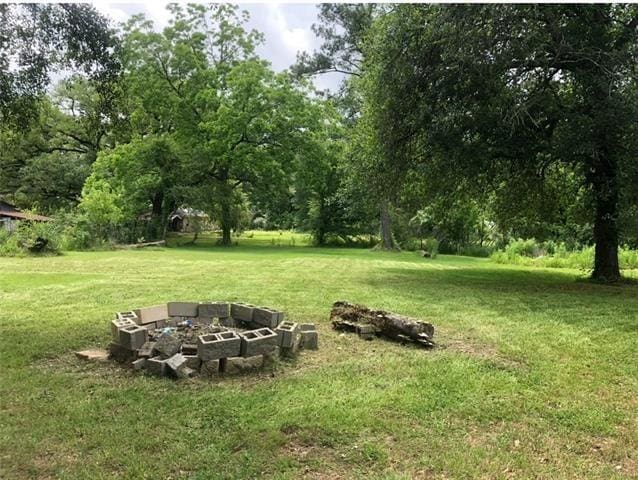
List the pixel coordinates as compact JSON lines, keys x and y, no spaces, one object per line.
{"x":226,"y":214}
{"x":605,"y":183}
{"x":350,"y":317}
{"x":387,"y":241}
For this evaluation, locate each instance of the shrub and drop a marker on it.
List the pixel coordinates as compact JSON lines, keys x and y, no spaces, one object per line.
{"x":431,"y":245}
{"x":31,"y":238}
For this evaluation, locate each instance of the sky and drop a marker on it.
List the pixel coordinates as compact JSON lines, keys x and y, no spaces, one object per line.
{"x":286,"y":27}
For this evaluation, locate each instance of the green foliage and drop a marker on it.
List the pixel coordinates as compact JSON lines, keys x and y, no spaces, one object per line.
{"x":550,"y":254}
{"x":31,"y":238}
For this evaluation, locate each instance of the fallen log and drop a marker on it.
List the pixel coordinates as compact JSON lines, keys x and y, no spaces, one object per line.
{"x":349,"y":317}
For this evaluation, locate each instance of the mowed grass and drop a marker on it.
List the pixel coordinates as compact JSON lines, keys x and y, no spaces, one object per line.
{"x":535,"y":376}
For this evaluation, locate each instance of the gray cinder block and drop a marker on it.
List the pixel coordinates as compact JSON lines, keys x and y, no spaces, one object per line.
{"x":146,"y":350}
{"x":151,"y":314}
{"x":214,"y":310}
{"x":117,"y":324}
{"x":257,"y":342}
{"x":242,"y":311}
{"x":178,"y":366}
{"x":309,"y":336}
{"x":121,"y":354}
{"x":209,"y":368}
{"x":267,"y":317}
{"x":235,"y":365}
{"x":182,"y":309}
{"x":133,"y":337}
{"x":167,"y":346}
{"x":214,"y":346}
{"x":366,"y":331}
{"x":139,"y":364}
{"x":156,"y":366}
{"x":132,"y":316}
{"x":287,"y":332}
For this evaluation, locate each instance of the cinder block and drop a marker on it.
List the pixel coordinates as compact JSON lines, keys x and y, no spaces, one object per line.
{"x":257,"y":342}
{"x":235,"y":365}
{"x":139,"y":364}
{"x":146,"y":350}
{"x":209,"y":369}
{"x":121,"y":354}
{"x":167,"y":346}
{"x":151,"y":314}
{"x":214,"y":310}
{"x":242,"y":311}
{"x":267,"y":317}
{"x":270,"y":358}
{"x":214,"y":346}
{"x":193,"y":361}
{"x":287,"y":332}
{"x":127,"y":316}
{"x":228,"y":322}
{"x":133,"y":336}
{"x":177,"y":366}
{"x":189,"y":348}
{"x":156,"y":366}
{"x":309,"y":336}
{"x":117,"y":324}
{"x":150,"y":326}
{"x":182,"y":309}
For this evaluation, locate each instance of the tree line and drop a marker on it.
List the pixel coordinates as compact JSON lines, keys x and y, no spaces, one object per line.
{"x":472,"y":124}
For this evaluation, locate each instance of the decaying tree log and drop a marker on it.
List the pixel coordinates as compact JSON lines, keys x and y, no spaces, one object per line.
{"x":356,"y":318}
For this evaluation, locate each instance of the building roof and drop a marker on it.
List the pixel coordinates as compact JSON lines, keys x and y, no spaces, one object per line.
{"x":10,"y":211}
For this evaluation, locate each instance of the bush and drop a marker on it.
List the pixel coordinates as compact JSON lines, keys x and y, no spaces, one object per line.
{"x":562,"y":257}
{"x":31,"y":238}
{"x":431,"y":246}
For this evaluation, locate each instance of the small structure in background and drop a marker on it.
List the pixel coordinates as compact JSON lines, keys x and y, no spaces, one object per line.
{"x":10,"y":216}
{"x":188,"y":220}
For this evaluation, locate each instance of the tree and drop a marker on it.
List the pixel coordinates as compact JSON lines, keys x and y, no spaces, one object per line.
{"x":502,"y":92}
{"x":36,"y":39}
{"x":235,"y":124}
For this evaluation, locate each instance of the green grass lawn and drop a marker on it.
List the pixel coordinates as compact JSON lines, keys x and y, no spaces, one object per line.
{"x":536,"y":375}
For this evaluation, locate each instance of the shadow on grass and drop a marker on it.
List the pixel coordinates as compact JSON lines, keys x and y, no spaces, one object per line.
{"x":527,"y":294}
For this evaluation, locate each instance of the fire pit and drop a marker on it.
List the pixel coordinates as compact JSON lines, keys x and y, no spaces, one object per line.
{"x":183,"y":339}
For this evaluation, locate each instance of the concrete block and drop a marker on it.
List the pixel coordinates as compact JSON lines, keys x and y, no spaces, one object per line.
{"x":182,"y":309}
{"x":228,"y":322}
{"x":139,"y":364}
{"x":267,"y":317}
{"x":177,"y":366}
{"x":189,"y":348}
{"x":93,"y":355}
{"x":150,"y":326}
{"x":133,"y":337}
{"x":156,"y":366}
{"x":242,"y":311}
{"x":151,"y":314}
{"x":310,"y":339}
{"x":214,"y":346}
{"x":146,"y":350}
{"x":117,"y":324}
{"x":235,"y":365}
{"x":257,"y":342}
{"x":132,"y":316}
{"x":193,"y":361}
{"x":209,"y":369}
{"x":294,"y":348}
{"x":271,"y":358}
{"x":214,"y":310}
{"x":167,"y":346}
{"x":121,"y":354}
{"x":286,"y":332}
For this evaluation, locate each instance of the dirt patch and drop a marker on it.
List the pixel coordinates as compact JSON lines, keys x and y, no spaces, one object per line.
{"x":471,"y":347}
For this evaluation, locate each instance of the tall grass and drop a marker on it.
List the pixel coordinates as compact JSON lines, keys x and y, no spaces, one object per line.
{"x":551,"y":255}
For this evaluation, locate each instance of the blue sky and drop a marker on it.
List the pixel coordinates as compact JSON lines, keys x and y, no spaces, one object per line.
{"x":286,"y":26}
